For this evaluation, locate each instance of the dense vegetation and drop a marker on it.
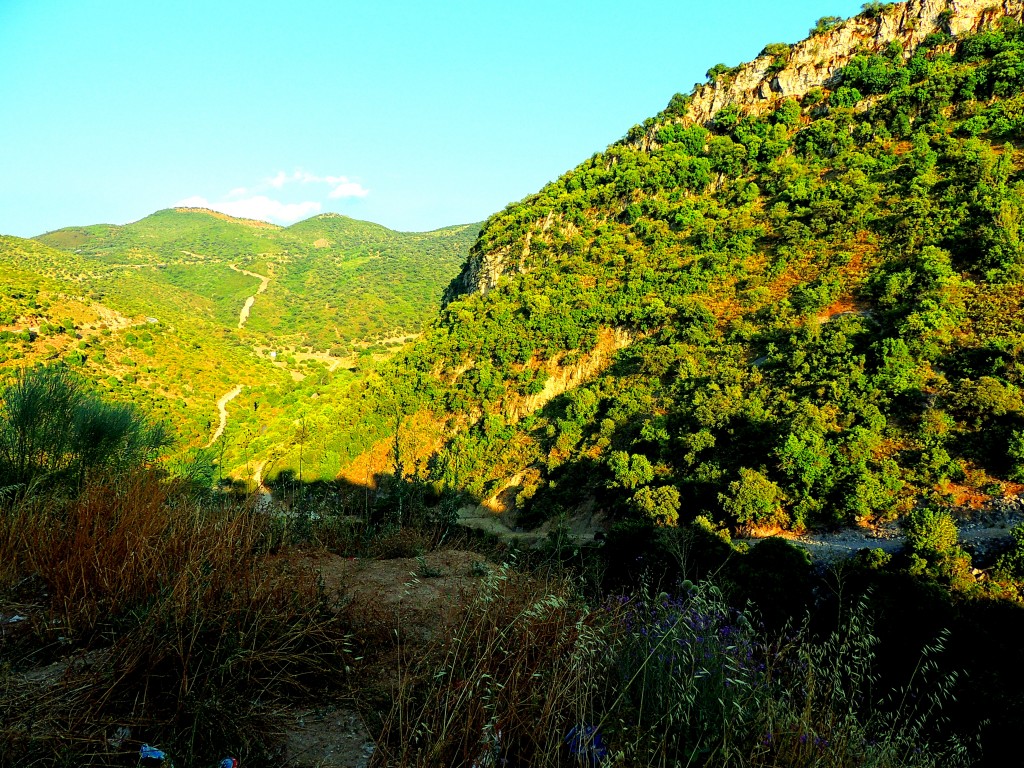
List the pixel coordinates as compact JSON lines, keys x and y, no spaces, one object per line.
{"x":150,"y":312}
{"x":54,"y":432}
{"x":825,"y":306}
{"x":335,"y":280}
{"x":222,"y":634}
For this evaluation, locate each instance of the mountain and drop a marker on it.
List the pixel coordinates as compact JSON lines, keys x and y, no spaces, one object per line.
{"x":791,"y":298}
{"x":795,"y":297}
{"x":175,"y":311}
{"x":338,"y":283}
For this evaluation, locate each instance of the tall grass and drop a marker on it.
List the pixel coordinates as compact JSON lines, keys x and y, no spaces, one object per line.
{"x":699,"y":684}
{"x":506,"y":682}
{"x":532,"y":677}
{"x":168,"y":616}
{"x":193,"y":623}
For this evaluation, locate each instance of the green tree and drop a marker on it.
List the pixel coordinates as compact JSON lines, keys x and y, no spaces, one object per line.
{"x":754,"y":499}
{"x":930,"y":531}
{"x":630,"y":472}
{"x":658,"y":503}
{"x":826,"y":23}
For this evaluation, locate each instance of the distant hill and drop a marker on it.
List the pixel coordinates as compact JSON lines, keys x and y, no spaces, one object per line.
{"x":152,"y":311}
{"x":338,"y":283}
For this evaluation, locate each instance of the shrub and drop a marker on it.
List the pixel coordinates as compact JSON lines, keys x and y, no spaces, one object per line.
{"x":930,"y":531}
{"x":677,"y":105}
{"x":775,"y":49}
{"x":845,"y":97}
{"x":717,"y":71}
{"x":659,"y":504}
{"x":754,"y":499}
{"x":826,"y":23}
{"x":53,"y":430}
{"x":630,"y":471}
{"x":872,"y":10}
{"x":1011,"y":563}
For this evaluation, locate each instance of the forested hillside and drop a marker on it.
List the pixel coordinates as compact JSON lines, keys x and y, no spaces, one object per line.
{"x":336,"y":283}
{"x":820,"y":300}
{"x":175,"y":311}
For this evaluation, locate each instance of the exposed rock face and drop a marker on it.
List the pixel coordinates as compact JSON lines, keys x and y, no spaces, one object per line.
{"x":758,"y":87}
{"x":813,"y":62}
{"x":480,"y":273}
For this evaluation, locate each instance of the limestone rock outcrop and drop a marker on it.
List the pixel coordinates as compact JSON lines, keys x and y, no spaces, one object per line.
{"x":813,"y":63}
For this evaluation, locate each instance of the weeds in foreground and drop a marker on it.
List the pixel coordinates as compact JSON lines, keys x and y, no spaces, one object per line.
{"x":520,"y":668}
{"x":169,"y":618}
{"x":185,"y":623}
{"x":699,"y":684}
{"x":532,"y":677}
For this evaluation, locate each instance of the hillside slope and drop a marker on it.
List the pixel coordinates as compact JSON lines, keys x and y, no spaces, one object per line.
{"x":807,"y":309}
{"x":176,"y":310}
{"x":141,"y":340}
{"x":337,"y":283}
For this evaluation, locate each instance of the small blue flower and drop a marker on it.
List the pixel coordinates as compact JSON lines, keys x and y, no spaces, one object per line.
{"x":586,"y":741}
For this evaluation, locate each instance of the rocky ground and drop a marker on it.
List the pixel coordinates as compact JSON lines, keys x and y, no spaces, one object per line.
{"x":984,"y":533}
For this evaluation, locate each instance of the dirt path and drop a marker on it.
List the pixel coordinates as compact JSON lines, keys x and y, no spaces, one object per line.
{"x":264,"y":282}
{"x":842,"y":544}
{"x":222,"y":408}
{"x":264,"y":496}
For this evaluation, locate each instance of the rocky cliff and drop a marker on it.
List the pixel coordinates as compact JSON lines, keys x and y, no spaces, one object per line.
{"x":759,"y":85}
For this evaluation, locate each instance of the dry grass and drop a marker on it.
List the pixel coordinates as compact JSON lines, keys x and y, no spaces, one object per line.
{"x":193,"y":625}
{"x":517,"y":672}
{"x":160,"y":614}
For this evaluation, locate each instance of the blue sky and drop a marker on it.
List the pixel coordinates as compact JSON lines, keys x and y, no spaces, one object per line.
{"x":415,"y":115}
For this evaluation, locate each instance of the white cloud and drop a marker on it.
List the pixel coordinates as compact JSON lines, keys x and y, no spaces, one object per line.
{"x":345,"y":188}
{"x":257,"y":207}
{"x":279,"y":181}
{"x":341,"y":186}
{"x":244,"y":202}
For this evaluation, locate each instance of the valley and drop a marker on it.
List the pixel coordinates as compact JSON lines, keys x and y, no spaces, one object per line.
{"x":710,"y":451}
{"x":185,"y":325}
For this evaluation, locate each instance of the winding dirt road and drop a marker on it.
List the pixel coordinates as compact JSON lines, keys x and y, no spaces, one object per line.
{"x":243,"y":316}
{"x":227,"y":397}
{"x":222,"y":408}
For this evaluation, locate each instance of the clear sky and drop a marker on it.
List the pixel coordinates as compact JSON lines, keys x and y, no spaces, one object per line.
{"x":415,"y":115}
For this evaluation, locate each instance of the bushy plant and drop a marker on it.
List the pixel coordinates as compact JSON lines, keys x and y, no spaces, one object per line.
{"x":754,"y":499}
{"x":1011,"y":563}
{"x":685,"y":666}
{"x":53,"y":430}
{"x":699,"y":683}
{"x":825,"y":24}
{"x":930,"y":530}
